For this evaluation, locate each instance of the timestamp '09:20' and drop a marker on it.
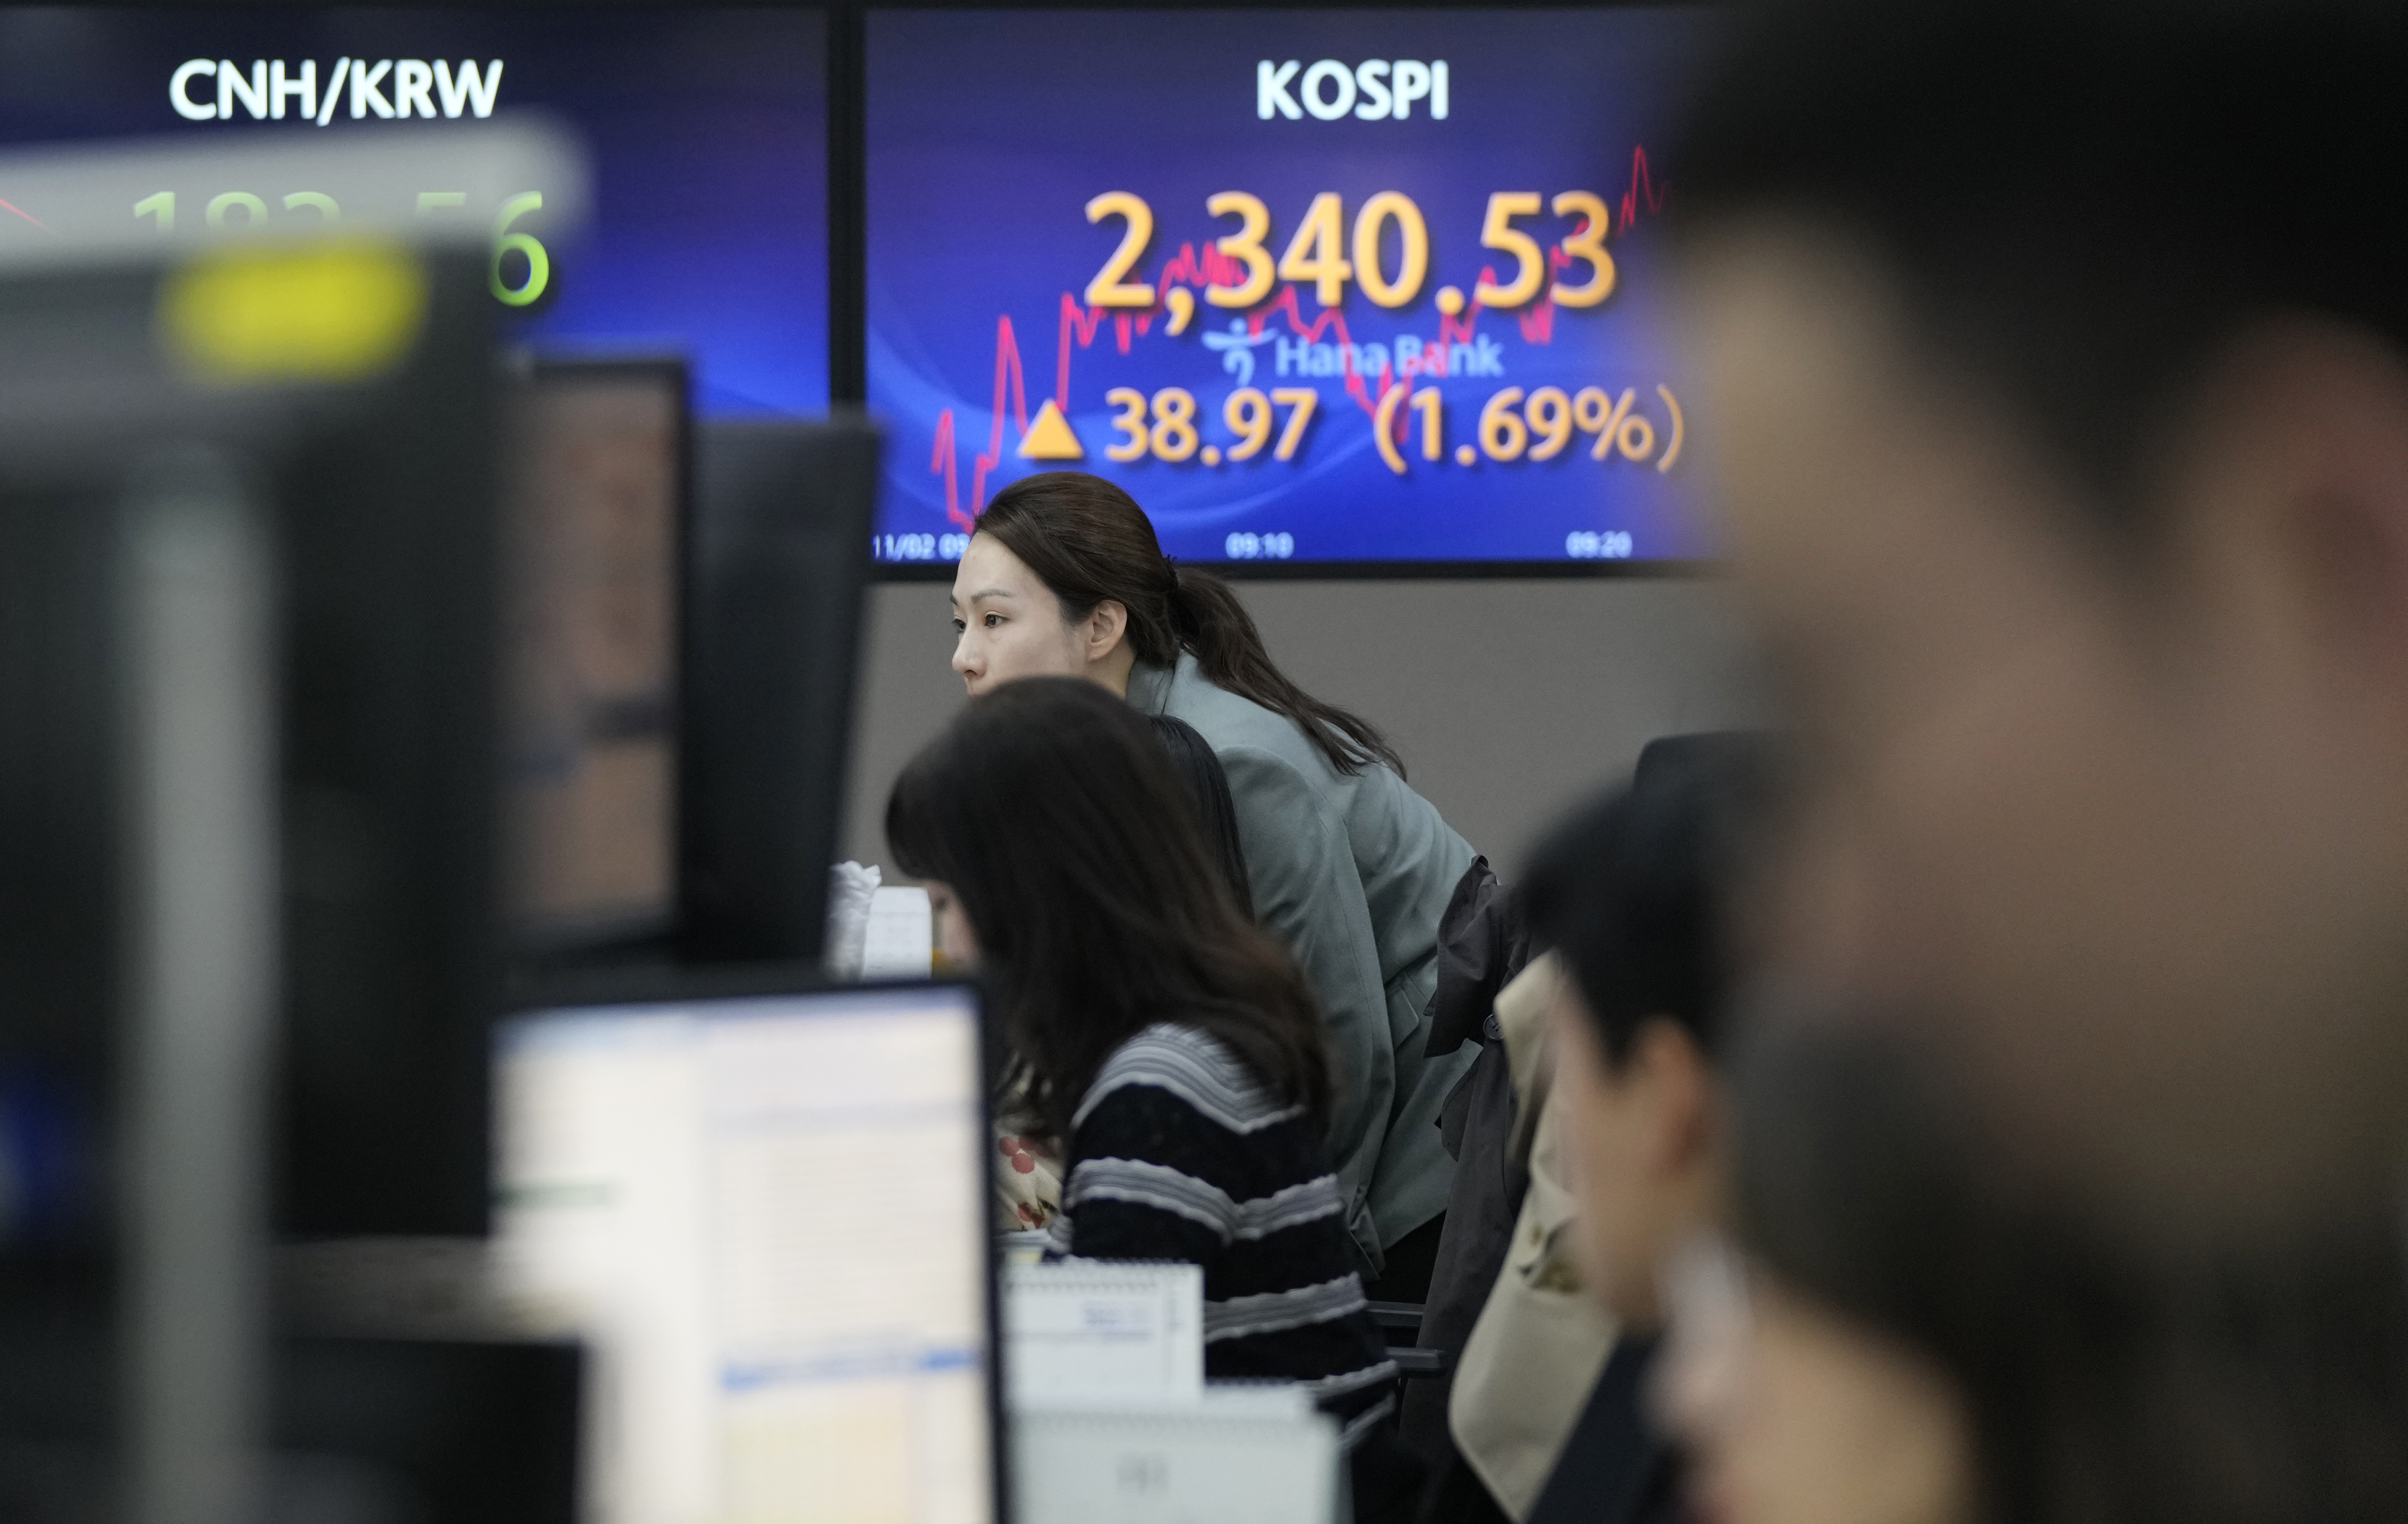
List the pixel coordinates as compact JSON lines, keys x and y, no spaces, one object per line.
{"x":1594,"y":545}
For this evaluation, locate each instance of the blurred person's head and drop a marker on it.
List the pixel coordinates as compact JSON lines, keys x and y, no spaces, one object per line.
{"x":1906,"y":1331}
{"x":1806,"y":1373}
{"x":2053,"y":357}
{"x":1789,"y":1411}
{"x":1065,"y":861}
{"x":1067,"y":578}
{"x":1634,"y":893}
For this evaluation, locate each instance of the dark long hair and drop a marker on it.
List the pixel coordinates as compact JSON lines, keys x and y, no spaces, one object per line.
{"x":1192,"y":757}
{"x":1052,"y":809}
{"x":1087,"y":540}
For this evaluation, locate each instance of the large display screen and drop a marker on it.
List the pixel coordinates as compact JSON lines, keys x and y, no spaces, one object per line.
{"x":1315,"y":286}
{"x":706,"y":132}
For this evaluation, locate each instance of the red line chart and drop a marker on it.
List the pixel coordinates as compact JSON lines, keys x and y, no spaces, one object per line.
{"x":1006,"y":366}
{"x":1079,"y":324}
{"x":1643,"y":190}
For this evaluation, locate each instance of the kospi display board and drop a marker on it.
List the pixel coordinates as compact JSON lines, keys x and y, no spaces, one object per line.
{"x":1345,"y":286}
{"x":706,"y":132}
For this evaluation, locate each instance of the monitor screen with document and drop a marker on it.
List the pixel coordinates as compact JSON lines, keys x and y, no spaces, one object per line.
{"x":769,"y":1214}
{"x":593,"y":536}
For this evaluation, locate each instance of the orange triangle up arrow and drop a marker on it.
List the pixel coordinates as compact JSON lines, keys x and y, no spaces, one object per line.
{"x":1049,"y":436}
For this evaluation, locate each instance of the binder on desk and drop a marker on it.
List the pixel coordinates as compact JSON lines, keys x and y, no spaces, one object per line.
{"x":1112,"y":1423}
{"x":1233,"y":1457}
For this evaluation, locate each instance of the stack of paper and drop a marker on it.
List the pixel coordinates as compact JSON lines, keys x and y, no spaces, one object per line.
{"x":1094,"y":1332}
{"x":1112,"y":1422}
{"x":1230,"y":1457}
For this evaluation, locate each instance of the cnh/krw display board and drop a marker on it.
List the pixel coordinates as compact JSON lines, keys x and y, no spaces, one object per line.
{"x":706,"y":130}
{"x":1343,"y":286}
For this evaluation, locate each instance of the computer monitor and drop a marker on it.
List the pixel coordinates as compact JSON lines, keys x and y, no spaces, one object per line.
{"x":375,"y":492}
{"x":393,"y":960}
{"x":767,"y":1212}
{"x":245,"y":864}
{"x":592,"y":537}
{"x":780,"y":556}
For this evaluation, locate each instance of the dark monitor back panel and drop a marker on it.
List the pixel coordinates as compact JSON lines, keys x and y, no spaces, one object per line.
{"x":773,"y":622}
{"x":58,"y":974}
{"x":391,"y":953}
{"x":360,"y":1430}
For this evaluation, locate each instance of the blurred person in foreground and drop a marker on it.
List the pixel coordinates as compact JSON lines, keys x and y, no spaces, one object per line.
{"x":1168,"y":1046}
{"x":1900,"y":1336}
{"x":2054,"y":360}
{"x":1638,"y":893}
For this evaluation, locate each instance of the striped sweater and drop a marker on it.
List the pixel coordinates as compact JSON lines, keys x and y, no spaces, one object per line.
{"x":1178,"y":1153}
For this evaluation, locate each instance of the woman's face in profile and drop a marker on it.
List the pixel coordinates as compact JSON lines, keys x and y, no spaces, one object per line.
{"x":1791,"y":1412}
{"x":1008,"y":622}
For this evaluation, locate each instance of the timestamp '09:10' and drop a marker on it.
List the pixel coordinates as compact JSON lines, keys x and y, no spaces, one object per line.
{"x":221,"y":214}
{"x":1251,"y":547}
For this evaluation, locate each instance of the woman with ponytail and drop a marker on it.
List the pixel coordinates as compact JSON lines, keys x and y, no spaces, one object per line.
{"x":1348,"y":866}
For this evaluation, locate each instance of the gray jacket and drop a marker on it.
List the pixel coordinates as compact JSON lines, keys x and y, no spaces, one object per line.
{"x":1351,"y":872}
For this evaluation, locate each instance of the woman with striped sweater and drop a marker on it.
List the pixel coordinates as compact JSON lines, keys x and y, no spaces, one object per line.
{"x":1169,"y":1047}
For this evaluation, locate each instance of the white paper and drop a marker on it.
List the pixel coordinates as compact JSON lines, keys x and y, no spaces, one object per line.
{"x":1092,"y":1330}
{"x":850,"y":889}
{"x":901,"y":938}
{"x":1173,"y":1466}
{"x":1259,"y":1398}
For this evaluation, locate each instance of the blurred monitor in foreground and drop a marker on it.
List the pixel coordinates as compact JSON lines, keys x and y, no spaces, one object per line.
{"x":372,"y":487}
{"x":246,"y":930}
{"x":767,"y":1212}
{"x":593,"y":539}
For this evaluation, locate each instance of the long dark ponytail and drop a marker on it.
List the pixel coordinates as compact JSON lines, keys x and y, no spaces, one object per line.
{"x":1087,"y":540}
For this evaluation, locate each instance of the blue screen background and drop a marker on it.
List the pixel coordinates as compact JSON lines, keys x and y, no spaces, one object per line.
{"x":706,"y":132}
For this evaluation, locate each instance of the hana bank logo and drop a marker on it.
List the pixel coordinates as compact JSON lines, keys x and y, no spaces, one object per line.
{"x":1375,"y":89}
{"x":386,"y":88}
